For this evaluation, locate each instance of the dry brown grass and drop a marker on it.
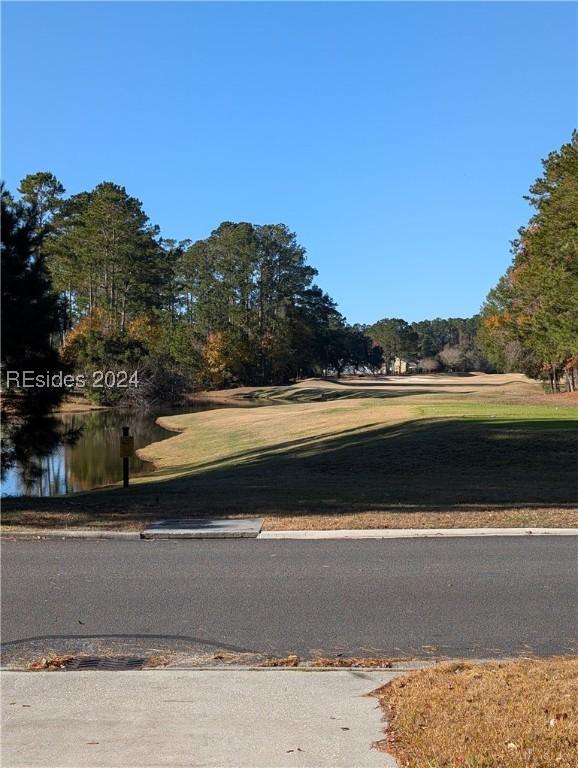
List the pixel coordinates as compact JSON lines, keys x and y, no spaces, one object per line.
{"x":482,"y":518}
{"x":521,"y":714}
{"x":506,"y":388}
{"x":517,"y":384}
{"x":36,"y":521}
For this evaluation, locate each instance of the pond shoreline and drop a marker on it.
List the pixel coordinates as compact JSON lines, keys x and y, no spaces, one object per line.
{"x":92,"y":461}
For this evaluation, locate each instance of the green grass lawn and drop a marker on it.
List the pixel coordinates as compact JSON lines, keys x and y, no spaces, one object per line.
{"x":436,"y":456}
{"x":364,"y":461}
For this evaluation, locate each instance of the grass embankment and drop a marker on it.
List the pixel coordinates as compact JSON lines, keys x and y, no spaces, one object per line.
{"x":416,"y":452}
{"x":521,"y":714}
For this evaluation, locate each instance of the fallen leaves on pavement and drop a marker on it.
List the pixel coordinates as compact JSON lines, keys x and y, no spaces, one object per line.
{"x":56,"y":661}
{"x":352,"y":661}
{"x":285,"y":661}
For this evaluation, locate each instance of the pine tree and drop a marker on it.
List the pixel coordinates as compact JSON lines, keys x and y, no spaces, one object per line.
{"x":534,"y":308}
{"x":30,"y":324}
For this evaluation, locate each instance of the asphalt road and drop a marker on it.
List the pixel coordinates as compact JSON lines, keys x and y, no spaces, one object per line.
{"x":472,"y":597}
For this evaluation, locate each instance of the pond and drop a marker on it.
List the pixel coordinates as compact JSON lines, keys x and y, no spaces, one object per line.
{"x":94,"y":459}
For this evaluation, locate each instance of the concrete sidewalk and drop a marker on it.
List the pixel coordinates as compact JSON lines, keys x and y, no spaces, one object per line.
{"x":271,"y":718}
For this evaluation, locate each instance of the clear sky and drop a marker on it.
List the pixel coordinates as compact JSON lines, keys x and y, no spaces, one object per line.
{"x":395,"y":139}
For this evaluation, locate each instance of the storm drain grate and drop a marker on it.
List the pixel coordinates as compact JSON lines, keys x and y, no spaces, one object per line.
{"x":115,"y":663}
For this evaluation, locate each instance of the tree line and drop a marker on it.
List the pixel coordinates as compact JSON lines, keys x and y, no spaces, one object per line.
{"x":430,"y":345}
{"x":529,"y":321}
{"x":238,"y":307}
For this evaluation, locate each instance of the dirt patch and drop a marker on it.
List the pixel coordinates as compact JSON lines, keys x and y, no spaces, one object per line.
{"x":521,"y":714}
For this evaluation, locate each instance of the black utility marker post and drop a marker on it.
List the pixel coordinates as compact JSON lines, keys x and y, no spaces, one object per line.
{"x":126,"y":447}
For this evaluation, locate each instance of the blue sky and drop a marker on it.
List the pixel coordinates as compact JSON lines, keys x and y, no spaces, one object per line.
{"x":395,"y":139}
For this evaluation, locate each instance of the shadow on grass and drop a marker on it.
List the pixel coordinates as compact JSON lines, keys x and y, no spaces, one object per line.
{"x":322,"y":394}
{"x":437,"y":464}
{"x":382,"y":388}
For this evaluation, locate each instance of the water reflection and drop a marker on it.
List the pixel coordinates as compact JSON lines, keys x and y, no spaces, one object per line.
{"x":93,"y":460}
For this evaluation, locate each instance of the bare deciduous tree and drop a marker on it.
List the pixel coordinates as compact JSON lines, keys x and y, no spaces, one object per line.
{"x":452,"y":357}
{"x":429,"y":364}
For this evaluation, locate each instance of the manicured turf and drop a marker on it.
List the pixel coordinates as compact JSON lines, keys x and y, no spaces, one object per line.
{"x":371,"y":455}
{"x":418,"y":449}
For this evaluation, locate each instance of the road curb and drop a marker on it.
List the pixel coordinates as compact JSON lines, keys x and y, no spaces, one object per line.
{"x":237,"y":668}
{"x":80,"y":534}
{"x":412,"y":533}
{"x":311,"y":535}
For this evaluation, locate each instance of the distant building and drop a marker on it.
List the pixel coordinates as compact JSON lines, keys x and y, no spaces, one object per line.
{"x":398,"y":366}
{"x":403,"y":366}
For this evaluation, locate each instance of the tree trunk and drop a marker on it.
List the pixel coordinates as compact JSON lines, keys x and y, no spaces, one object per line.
{"x":123,"y":312}
{"x":555,"y":385}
